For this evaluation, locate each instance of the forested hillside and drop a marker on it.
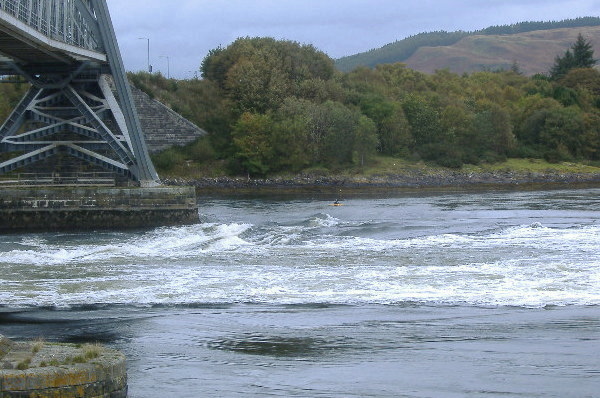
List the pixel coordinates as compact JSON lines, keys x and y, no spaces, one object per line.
{"x":277,"y":106}
{"x":442,"y":49}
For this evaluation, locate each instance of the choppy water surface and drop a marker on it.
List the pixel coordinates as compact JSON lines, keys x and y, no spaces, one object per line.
{"x":415,"y":295}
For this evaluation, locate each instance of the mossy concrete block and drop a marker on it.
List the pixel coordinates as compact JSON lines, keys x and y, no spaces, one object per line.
{"x":103,"y":376}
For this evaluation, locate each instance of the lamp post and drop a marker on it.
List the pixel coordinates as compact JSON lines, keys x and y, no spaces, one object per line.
{"x":168,"y":65}
{"x":148,"y":40}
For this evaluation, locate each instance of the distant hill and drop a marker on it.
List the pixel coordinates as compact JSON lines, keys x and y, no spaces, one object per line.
{"x":532,"y":45}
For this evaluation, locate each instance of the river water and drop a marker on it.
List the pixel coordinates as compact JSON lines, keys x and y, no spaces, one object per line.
{"x":426,"y":294}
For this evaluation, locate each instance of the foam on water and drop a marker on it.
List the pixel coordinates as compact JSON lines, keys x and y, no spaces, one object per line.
{"x":307,"y":262}
{"x":164,"y":242}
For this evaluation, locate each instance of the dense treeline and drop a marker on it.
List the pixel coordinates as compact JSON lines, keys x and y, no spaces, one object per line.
{"x":401,"y":50}
{"x":273,"y":106}
{"x":279,"y":106}
{"x":532,"y":26}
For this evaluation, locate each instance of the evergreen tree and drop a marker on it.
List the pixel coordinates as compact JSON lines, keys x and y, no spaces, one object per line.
{"x":580,"y":55}
{"x":583,"y":53}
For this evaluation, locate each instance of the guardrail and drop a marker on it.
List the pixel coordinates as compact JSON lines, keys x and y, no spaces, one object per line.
{"x":60,"y":179}
{"x":57,"y":19}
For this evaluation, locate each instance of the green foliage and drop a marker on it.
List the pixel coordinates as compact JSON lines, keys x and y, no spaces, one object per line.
{"x":582,"y":81}
{"x":493,"y":130}
{"x":562,"y":131}
{"x":257,"y":74}
{"x":324,"y":133}
{"x":167,"y":160}
{"x":338,"y":125}
{"x":277,"y":106}
{"x":580,"y":55}
{"x":393,"y":131}
{"x":365,"y":139}
{"x":252,"y":139}
{"x":24,"y":364}
{"x":199,"y":152}
{"x":583,"y":53}
{"x":424,"y":121}
{"x":10,"y":95}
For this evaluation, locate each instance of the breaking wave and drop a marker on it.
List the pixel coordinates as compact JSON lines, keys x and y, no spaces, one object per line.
{"x":314,"y":260}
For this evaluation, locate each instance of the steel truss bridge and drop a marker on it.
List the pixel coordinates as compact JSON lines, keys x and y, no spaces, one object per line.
{"x":80,"y":104}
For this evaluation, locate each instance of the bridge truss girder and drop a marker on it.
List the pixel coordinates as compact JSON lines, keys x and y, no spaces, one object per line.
{"x":76,"y":107}
{"x":78,"y":111}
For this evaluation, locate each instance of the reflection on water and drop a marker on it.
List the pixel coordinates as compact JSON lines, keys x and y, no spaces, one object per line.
{"x":279,"y":346}
{"x":337,"y":351}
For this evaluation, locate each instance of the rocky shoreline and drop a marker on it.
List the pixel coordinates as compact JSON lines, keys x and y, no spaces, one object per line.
{"x":410,"y":180}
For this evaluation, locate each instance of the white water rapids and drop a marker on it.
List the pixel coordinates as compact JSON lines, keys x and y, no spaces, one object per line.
{"x":471,"y":249}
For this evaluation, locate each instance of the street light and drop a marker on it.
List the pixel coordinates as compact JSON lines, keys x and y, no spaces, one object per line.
{"x":168,"y":65}
{"x":149,"y":66}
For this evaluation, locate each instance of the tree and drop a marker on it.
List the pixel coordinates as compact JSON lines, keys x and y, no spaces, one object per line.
{"x":324,"y":133}
{"x":587,"y":79}
{"x":257,"y":74}
{"x":562,"y":134}
{"x":365,"y":139}
{"x":591,"y":138}
{"x":340,"y":124}
{"x":580,"y":55}
{"x":251,"y":137}
{"x":493,"y":130}
{"x":393,"y":131}
{"x":292,"y":150}
{"x":583,"y":53}
{"x":10,"y":95}
{"x":394,"y":134}
{"x":424,"y":121}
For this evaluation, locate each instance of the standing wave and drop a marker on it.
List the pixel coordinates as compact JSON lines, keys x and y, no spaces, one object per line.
{"x":304,"y":263}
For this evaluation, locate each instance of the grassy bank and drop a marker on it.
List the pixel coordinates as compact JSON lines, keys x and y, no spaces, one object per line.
{"x":389,"y":173}
{"x":387,"y":166}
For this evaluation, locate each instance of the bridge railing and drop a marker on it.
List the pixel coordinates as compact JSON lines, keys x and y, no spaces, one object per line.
{"x":60,"y":179}
{"x":57,"y":19}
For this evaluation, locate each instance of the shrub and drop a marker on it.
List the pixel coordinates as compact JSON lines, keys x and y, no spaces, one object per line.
{"x":166,"y":160}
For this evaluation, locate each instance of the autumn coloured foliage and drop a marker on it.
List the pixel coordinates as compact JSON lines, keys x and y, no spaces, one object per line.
{"x":272,"y":105}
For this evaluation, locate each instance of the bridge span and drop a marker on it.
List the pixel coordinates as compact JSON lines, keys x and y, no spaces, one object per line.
{"x":79,"y":111}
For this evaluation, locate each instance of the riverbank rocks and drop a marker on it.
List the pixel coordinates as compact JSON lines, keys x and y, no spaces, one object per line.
{"x":47,"y":370}
{"x":409,"y":180}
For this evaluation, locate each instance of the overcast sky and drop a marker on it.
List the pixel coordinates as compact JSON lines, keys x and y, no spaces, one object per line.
{"x":185,"y":30}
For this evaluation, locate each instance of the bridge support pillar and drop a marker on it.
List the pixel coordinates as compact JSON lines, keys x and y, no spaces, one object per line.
{"x":95,"y":208}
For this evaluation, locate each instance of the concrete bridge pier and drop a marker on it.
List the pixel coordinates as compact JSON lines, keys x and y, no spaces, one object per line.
{"x":45,"y":370}
{"x":25,"y":209}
